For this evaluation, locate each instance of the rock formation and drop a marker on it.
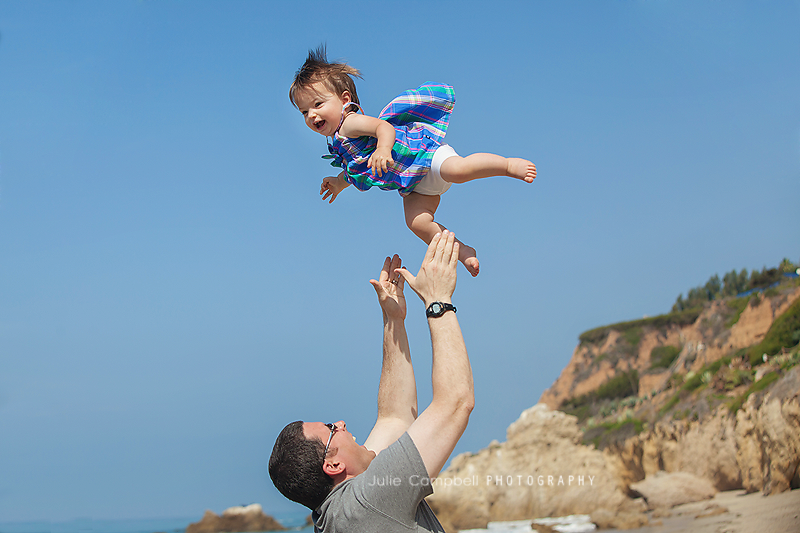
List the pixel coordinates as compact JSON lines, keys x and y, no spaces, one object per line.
{"x":666,"y":490}
{"x":236,"y":519}
{"x":541,"y":470}
{"x":757,"y":449}
{"x":674,"y":438}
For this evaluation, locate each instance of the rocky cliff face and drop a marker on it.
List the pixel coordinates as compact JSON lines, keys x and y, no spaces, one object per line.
{"x":704,"y":341}
{"x":757,"y":448}
{"x":711,"y":422}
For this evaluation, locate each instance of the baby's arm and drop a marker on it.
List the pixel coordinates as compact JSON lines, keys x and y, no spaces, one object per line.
{"x":355,"y":125}
{"x":333,"y":186}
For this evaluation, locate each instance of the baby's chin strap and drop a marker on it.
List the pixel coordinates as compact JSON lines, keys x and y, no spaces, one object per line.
{"x":345,"y":106}
{"x":344,"y":114}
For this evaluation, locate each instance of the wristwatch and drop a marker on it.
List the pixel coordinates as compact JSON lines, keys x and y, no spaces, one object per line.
{"x":437,"y":309}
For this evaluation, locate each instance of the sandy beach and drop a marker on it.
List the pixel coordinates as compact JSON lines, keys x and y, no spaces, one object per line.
{"x":730,"y":512}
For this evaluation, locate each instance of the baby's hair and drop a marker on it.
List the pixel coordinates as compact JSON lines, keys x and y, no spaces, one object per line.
{"x":335,"y":76}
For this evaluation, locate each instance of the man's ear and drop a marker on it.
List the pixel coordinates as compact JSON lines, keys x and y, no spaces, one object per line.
{"x":332,"y":467}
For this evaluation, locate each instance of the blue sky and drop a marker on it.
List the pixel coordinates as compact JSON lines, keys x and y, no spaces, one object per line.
{"x":174,"y":291}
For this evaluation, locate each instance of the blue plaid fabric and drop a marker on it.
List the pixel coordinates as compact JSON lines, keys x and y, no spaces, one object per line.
{"x":420,"y":118}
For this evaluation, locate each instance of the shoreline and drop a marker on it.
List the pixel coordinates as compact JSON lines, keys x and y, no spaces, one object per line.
{"x":730,"y":512}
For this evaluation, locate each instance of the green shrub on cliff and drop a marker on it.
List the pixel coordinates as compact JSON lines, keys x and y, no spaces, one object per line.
{"x":620,"y":386}
{"x":736,"y":404}
{"x":609,"y":433}
{"x":580,"y":407}
{"x":738,"y":305}
{"x":623,"y":385}
{"x":693,"y":382}
{"x":663,"y":356}
{"x":633,"y":336}
{"x":782,"y":334}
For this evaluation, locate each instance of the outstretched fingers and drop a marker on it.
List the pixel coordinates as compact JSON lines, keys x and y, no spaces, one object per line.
{"x":440,"y":247}
{"x":394,"y":267}
{"x":384,"y":276}
{"x":389,"y":288}
{"x":387,"y":264}
{"x":432,"y":246}
{"x":447,"y":249}
{"x":454,"y":256}
{"x":390,"y":273}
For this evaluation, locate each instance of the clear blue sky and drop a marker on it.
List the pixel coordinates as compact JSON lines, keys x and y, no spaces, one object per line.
{"x":173,"y":290}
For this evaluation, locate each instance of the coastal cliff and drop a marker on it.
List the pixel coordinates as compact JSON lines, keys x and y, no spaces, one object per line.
{"x":647,"y":415}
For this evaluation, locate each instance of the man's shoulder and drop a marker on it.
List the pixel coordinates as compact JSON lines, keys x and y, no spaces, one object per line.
{"x":400,"y":452}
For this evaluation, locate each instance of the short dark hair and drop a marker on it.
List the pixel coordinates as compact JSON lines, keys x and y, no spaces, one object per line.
{"x":295,"y":467}
{"x":337,"y":77}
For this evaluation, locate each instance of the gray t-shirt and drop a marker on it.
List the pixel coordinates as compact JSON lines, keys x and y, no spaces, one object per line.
{"x":387,"y":497}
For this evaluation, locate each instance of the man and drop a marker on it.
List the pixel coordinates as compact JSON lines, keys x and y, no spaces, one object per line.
{"x":381,"y":485}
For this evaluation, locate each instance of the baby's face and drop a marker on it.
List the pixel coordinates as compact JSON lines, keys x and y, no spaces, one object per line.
{"x":321,"y":109}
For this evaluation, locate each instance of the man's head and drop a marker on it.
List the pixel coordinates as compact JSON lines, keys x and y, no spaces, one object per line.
{"x":295,"y":467}
{"x":303,"y":472}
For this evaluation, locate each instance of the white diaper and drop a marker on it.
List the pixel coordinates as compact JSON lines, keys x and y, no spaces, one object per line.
{"x":433,"y":184}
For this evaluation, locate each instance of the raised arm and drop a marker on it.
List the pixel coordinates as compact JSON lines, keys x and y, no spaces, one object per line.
{"x":397,"y":392}
{"x":355,"y":125}
{"x":437,"y":430}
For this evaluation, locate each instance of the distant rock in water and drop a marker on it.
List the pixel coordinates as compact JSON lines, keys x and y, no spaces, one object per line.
{"x":236,"y":519}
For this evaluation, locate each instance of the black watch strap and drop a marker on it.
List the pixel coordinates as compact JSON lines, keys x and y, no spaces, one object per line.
{"x":437,"y":309}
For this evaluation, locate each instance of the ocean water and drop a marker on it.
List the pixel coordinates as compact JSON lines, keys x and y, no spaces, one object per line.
{"x":295,"y":521}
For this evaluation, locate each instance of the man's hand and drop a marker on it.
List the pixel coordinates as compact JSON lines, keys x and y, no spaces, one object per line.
{"x":436,"y":279}
{"x":390,"y":289}
{"x":332,"y":186}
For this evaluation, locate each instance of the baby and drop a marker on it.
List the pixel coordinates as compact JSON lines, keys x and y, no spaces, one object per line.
{"x":399,"y":150}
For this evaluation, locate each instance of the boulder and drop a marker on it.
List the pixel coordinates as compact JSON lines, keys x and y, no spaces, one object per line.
{"x":236,"y":519}
{"x":541,"y":470}
{"x":674,"y":488}
{"x":607,"y":519}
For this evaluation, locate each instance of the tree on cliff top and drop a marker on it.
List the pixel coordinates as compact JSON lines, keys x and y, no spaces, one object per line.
{"x":732,"y":283}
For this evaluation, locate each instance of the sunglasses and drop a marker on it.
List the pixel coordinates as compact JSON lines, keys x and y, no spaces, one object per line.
{"x":333,"y":429}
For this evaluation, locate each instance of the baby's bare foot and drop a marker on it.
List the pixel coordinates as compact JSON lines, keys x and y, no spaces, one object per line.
{"x":466,"y":254}
{"x":521,"y":169}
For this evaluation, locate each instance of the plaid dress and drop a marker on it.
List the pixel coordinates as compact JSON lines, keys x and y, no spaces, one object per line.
{"x":420,"y":118}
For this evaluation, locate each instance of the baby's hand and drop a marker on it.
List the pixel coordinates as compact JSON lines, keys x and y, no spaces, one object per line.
{"x":379,"y":160}
{"x":332,"y":186}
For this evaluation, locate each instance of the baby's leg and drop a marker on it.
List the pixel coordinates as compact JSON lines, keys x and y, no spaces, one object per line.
{"x":459,"y":169}
{"x":420,"y":209}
